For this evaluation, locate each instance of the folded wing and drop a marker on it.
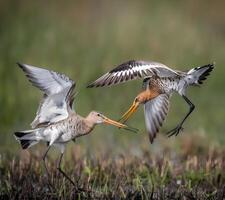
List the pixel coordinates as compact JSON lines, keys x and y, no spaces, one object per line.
{"x":155,"y":112}
{"x":58,"y":94}
{"x":133,"y":70}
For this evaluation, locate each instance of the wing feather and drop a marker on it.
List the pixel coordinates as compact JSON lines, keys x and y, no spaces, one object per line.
{"x":58,"y":94}
{"x":155,"y":112}
{"x":132,"y":70}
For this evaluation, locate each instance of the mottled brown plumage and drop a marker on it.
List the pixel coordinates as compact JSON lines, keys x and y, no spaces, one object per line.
{"x":159,"y":83}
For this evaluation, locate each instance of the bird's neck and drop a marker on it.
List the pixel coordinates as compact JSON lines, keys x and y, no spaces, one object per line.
{"x":83,"y":126}
{"x":88,"y":124}
{"x":147,"y":95}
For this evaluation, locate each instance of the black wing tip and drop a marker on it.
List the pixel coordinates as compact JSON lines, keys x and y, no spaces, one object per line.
{"x":110,"y":78}
{"x":97,"y":85}
{"x":123,"y":66}
{"x":94,"y":86}
{"x":151,"y":138}
{"x":20,"y":65}
{"x":91,"y":85}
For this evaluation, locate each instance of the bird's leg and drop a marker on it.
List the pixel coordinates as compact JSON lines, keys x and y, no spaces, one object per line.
{"x":179,"y":127}
{"x":44,"y":160}
{"x":45,"y":166}
{"x":61,"y":171}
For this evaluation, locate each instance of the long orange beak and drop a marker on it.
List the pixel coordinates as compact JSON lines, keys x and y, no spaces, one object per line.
{"x":114,"y":123}
{"x":130,"y":111}
{"x":117,"y":124}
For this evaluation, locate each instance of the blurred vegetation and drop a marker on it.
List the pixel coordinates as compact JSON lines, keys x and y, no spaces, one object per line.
{"x":84,"y":39}
{"x":195,"y":173}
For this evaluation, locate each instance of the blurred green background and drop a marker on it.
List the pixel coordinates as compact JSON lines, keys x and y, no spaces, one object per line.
{"x":85,"y":39}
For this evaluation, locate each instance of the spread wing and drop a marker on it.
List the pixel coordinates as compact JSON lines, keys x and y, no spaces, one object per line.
{"x":58,"y":94}
{"x":155,"y":112}
{"x":132,"y":70}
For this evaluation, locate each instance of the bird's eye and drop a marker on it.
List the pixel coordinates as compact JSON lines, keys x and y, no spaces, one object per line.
{"x":98,"y":115}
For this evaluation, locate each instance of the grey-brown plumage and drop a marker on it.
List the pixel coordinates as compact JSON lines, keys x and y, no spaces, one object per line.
{"x":56,"y":122}
{"x":159,"y":83}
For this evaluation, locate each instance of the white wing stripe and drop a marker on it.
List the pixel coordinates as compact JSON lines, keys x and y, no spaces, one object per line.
{"x":136,"y":69}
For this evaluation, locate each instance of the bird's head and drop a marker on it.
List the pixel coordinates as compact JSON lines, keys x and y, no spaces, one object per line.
{"x":99,"y":118}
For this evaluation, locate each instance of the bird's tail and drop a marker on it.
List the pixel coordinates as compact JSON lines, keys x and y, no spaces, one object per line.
{"x":27,"y":138}
{"x":197,"y":75}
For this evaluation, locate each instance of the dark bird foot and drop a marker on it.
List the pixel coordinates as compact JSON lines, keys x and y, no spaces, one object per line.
{"x":175,"y":131}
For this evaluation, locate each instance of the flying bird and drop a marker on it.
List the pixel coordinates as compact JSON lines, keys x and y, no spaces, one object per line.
{"x":159,"y":82}
{"x":55,"y":121}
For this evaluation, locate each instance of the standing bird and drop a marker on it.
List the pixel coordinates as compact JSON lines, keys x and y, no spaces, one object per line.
{"x":56,"y":122}
{"x":159,"y":83}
